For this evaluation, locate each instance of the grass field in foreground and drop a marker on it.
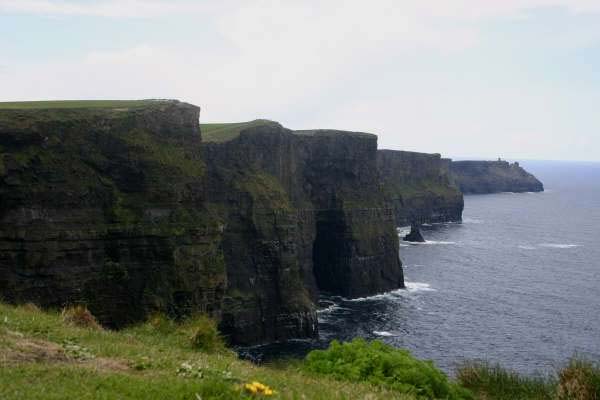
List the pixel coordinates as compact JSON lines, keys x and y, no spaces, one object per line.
{"x":42,"y":356}
{"x":48,"y":355}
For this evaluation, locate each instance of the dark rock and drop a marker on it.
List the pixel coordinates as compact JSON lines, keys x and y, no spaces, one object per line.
{"x":127,"y":211}
{"x":478,"y":177}
{"x":414,"y":235}
{"x":329,"y":225}
{"x":418,"y":187}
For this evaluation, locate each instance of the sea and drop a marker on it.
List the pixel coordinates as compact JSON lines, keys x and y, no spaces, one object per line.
{"x":516,"y":283}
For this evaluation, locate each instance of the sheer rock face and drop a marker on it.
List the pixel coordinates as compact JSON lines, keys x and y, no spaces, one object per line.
{"x":127,"y":211}
{"x":105,"y":207}
{"x":418,"y":187}
{"x":478,"y":177}
{"x":318,"y":190}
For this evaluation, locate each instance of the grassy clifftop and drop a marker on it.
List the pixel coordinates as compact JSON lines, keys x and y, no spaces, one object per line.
{"x":223,"y":132}
{"x":74,"y":104}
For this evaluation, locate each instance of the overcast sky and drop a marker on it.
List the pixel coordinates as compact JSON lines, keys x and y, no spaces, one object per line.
{"x":465,"y":78}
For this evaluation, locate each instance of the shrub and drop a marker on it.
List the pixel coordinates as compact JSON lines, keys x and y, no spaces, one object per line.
{"x":383,"y":365}
{"x":203,"y":334}
{"x":79,"y":316}
{"x":495,"y":382}
{"x":579,"y":380}
{"x":161,"y":323}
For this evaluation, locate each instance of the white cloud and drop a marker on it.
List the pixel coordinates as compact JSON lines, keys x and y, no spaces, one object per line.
{"x":313,"y":64}
{"x":467,"y":9}
{"x":105,"y":8}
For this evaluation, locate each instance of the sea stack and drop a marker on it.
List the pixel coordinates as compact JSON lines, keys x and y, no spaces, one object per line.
{"x":414,"y":235}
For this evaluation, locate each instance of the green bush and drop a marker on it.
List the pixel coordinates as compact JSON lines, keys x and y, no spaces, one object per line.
{"x":203,"y":334}
{"x":383,"y":365}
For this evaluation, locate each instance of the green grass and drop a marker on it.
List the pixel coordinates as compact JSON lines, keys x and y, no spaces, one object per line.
{"x":74,"y":104}
{"x":223,"y":132}
{"x":494,"y":382}
{"x":579,"y":379}
{"x":42,"y":357}
{"x":386,"y":366}
{"x":45,"y":356}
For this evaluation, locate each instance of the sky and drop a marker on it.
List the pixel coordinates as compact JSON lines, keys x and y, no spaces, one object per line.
{"x":517,"y":79}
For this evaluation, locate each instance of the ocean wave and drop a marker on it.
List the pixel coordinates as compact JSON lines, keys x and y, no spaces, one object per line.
{"x":559,"y":245}
{"x":418,"y":287}
{"x":429,"y":242}
{"x":383,"y":333}
{"x":472,"y":221}
{"x":526,"y":247}
{"x":410,"y":288}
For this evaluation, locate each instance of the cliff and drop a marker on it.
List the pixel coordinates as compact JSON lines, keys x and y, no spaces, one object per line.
{"x":477,"y":177}
{"x":120,"y":206}
{"x":105,"y":206}
{"x":331,"y":221}
{"x":418,"y":187}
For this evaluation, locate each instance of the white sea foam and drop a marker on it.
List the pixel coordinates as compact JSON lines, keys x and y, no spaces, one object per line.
{"x":383,"y":333}
{"x":559,"y":245}
{"x":405,"y":243}
{"x":411,"y":287}
{"x":472,"y":221}
{"x":526,"y":247}
{"x":418,"y":287}
{"x":329,"y":309}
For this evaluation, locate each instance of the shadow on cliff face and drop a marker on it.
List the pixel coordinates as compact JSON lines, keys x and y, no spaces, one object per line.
{"x":330,"y":249}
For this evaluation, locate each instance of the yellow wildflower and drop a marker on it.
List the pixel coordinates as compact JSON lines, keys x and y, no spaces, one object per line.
{"x":257,"y":388}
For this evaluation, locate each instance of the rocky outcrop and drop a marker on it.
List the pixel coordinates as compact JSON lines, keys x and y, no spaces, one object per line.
{"x":127,"y":211}
{"x":418,"y":187}
{"x":478,"y":177}
{"x":414,"y":235}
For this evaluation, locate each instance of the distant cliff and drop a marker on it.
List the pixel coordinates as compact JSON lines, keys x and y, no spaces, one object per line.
{"x":418,"y":187}
{"x":122,"y":207}
{"x":477,"y":177}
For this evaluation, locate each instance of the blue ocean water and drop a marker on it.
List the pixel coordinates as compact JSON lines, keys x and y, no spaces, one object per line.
{"x":517,"y":282}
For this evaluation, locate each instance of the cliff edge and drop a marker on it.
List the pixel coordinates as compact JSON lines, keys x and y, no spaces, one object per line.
{"x":479,"y":177}
{"x":418,"y":187}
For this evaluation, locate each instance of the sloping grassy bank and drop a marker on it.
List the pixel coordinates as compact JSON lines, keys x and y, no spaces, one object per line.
{"x":66,"y":355}
{"x":45,"y":355}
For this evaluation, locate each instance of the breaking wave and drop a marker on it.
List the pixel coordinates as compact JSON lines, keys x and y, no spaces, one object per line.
{"x":559,"y":245}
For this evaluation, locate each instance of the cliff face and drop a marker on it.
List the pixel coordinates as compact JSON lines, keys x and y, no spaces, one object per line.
{"x":479,"y":177}
{"x":318,"y":190}
{"x":105,"y":207}
{"x":418,"y":187}
{"x":126,"y":210}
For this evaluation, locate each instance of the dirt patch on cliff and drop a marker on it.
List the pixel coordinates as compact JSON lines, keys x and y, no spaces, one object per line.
{"x":20,"y":350}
